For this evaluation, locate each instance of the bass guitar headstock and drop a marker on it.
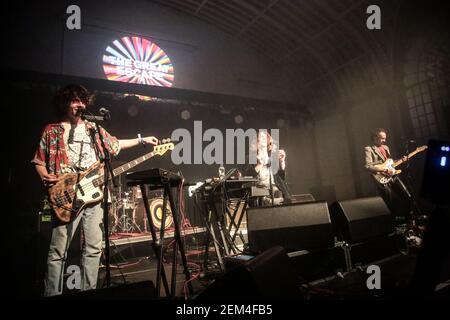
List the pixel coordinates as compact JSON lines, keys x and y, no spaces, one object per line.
{"x":164,"y":146}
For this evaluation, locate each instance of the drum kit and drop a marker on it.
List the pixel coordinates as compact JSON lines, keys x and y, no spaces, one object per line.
{"x":127,"y":211}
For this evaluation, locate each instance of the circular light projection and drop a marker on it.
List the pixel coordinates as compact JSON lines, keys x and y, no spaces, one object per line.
{"x":238,"y":119}
{"x":138,"y":60}
{"x":185,"y":115}
{"x":133,"y":110}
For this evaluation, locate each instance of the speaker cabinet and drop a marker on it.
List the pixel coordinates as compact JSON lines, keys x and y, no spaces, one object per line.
{"x":268,"y":276}
{"x":301,"y":226}
{"x":298,"y":198}
{"x":362,"y":219}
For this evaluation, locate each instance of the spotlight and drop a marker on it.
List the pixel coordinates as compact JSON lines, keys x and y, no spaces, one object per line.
{"x":185,"y":115}
{"x":238,"y":119}
{"x":133,"y":110}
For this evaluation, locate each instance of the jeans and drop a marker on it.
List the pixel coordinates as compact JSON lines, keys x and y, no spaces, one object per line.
{"x":91,"y":217}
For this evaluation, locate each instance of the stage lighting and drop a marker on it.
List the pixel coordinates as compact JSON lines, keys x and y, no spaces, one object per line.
{"x":238,"y":119}
{"x":133,"y":110}
{"x":185,"y":114}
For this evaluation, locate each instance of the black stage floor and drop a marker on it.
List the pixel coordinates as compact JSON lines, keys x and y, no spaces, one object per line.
{"x":396,"y":273}
{"x":322,"y":276}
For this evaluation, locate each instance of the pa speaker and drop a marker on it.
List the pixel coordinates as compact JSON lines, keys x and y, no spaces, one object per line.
{"x":362,"y":219}
{"x":301,"y":226}
{"x":268,"y":276}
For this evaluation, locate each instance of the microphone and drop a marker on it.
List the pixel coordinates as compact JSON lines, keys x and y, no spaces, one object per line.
{"x":80,"y":112}
{"x":105,"y":113}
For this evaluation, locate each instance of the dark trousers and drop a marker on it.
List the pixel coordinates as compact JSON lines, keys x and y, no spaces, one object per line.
{"x":397,"y":197}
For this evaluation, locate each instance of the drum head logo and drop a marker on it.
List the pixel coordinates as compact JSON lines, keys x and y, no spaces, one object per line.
{"x":156,"y":209}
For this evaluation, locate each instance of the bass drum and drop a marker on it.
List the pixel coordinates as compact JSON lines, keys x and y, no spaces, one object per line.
{"x":156,"y":211}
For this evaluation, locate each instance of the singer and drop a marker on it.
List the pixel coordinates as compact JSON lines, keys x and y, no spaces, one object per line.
{"x":269,"y":176}
{"x":66,"y":146}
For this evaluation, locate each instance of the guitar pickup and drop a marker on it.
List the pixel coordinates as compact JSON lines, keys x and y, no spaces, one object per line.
{"x":67,"y":196}
{"x":79,"y":188}
{"x":59,"y":203}
{"x":96,"y":195}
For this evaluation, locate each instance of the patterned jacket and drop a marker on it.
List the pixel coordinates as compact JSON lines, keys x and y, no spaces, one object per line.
{"x":52,"y":153}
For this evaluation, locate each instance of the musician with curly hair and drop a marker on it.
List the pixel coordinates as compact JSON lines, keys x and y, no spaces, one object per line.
{"x":67,"y":146}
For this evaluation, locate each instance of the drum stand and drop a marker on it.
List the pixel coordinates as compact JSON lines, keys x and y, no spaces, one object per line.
{"x":113,"y":213}
{"x":134,"y":225}
{"x":122,"y":221}
{"x":116,"y":203}
{"x":125,"y":222}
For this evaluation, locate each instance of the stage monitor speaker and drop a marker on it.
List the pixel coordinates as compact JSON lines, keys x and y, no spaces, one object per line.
{"x":298,"y":198}
{"x":361,"y":219}
{"x":144,"y":290}
{"x":268,"y":276}
{"x":300,"y":226}
{"x":322,"y":192}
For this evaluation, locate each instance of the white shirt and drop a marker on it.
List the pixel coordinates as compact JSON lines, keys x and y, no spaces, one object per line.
{"x":80,"y":151}
{"x":265,"y":175}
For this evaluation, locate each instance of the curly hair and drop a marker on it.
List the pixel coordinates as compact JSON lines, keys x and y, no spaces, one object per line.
{"x":69,"y":93}
{"x":375,"y":132}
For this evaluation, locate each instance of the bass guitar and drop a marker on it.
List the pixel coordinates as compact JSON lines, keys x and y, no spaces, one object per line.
{"x":74,"y":191}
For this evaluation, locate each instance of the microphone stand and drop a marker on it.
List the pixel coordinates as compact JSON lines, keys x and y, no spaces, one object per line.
{"x":107,"y":172}
{"x":413,"y":203}
{"x":270,"y":177}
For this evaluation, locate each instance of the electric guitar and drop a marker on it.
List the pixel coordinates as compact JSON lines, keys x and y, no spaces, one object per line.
{"x":74,"y":191}
{"x":390,"y":164}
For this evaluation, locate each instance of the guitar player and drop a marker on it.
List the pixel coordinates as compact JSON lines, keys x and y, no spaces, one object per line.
{"x":394,"y":193}
{"x":66,"y":146}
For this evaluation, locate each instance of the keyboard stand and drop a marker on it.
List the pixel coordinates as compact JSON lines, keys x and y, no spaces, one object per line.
{"x":162,"y":179}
